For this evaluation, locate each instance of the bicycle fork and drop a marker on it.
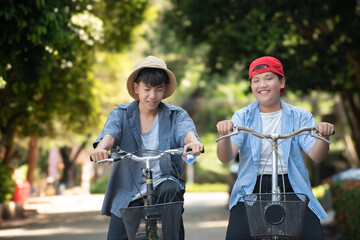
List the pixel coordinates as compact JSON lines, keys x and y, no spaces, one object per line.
{"x":151,"y":214}
{"x":274,"y":178}
{"x":150,"y":199}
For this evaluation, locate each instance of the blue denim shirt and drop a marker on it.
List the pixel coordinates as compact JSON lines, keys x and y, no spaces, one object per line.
{"x":123,"y":124}
{"x":293,"y":118}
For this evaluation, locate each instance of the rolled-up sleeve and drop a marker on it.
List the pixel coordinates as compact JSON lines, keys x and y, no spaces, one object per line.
{"x":306,"y":141}
{"x":184,"y":125}
{"x":112,"y":127}
{"x":237,"y":121}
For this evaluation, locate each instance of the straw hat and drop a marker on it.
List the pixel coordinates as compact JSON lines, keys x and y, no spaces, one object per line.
{"x":151,"y":62}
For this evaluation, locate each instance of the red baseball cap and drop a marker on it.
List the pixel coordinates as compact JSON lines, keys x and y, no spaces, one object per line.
{"x":268,"y":64}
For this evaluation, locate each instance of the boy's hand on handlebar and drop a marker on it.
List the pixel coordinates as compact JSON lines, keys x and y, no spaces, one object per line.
{"x":196,"y":148}
{"x":225,"y":127}
{"x":325,"y":129}
{"x":99,"y":154}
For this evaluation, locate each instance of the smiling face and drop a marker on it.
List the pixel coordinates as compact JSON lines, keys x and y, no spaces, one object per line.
{"x":266,"y":89}
{"x":149,"y":96}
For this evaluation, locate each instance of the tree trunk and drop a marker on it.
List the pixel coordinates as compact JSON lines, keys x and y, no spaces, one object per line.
{"x":350,"y":149}
{"x":65,"y":155}
{"x":352,"y":114}
{"x":32,"y":158}
{"x":68,"y":176}
{"x":8,"y":141}
{"x":9,"y":150}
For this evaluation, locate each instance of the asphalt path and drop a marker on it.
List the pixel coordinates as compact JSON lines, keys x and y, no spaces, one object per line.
{"x":78,"y":218}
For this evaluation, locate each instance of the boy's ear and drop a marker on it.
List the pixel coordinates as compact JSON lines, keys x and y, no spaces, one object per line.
{"x":282,"y":81}
{"x":136,"y":87}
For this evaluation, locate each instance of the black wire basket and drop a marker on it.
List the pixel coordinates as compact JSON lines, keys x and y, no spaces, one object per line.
{"x":155,"y":222}
{"x":279,"y":215}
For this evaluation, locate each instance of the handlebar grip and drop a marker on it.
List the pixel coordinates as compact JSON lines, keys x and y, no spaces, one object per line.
{"x":190,"y":151}
{"x":92,"y":160}
{"x":333,"y":133}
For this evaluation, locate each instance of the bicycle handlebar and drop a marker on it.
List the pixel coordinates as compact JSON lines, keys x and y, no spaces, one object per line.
{"x":239,"y":129}
{"x":120,"y":154}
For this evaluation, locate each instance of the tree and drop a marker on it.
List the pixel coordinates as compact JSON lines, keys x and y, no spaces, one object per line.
{"x":44,"y":65}
{"x":46,"y":52}
{"x":317,"y":42}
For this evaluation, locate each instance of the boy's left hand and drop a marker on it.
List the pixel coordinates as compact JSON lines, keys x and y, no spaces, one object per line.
{"x":325,"y":129}
{"x":196,"y":148}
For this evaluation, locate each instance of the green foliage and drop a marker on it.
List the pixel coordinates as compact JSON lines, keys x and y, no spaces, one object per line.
{"x":319,"y":191}
{"x":2,"y":82}
{"x":208,"y":168}
{"x":120,"y":19}
{"x":46,"y":87}
{"x":345,"y":200}
{"x":239,"y":31}
{"x":207,"y":187}
{"x":44,"y":63}
{"x":100,"y":185}
{"x":7,"y":184}
{"x":316,"y":42}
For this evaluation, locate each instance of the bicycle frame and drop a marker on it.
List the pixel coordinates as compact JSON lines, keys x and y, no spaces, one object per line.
{"x":273,"y":209}
{"x":120,"y":154}
{"x":152,"y":212}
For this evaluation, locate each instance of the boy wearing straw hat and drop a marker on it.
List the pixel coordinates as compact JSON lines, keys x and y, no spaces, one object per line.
{"x":145,"y":123}
{"x":270,"y":115}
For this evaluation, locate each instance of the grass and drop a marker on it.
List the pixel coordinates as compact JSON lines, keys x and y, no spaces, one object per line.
{"x":207,"y":187}
{"x":320,"y":190}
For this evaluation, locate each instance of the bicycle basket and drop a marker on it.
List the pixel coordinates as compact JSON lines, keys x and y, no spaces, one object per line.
{"x":155,"y":222}
{"x":276,"y":214}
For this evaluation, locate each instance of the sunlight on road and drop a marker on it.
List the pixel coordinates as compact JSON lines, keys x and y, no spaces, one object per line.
{"x":63,"y":204}
{"x":21,"y":232}
{"x":212,"y":224}
{"x":77,"y":217}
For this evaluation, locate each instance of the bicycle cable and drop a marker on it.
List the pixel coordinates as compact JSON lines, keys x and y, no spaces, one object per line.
{"x":275,"y":149}
{"x":142,"y":196}
{"x":168,"y":178}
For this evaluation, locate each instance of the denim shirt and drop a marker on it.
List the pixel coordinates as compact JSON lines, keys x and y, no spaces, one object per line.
{"x":123,"y":124}
{"x":293,"y":118}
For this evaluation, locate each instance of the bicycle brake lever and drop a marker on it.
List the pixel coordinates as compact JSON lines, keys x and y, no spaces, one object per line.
{"x":105,"y":160}
{"x":235,"y":129}
{"x":227,"y":135}
{"x":313,"y":134}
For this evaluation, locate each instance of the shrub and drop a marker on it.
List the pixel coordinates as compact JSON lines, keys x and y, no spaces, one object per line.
{"x":7,"y":184}
{"x":100,"y":185}
{"x":345,"y":200}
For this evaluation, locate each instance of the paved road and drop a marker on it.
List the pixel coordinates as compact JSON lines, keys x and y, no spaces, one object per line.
{"x":77,"y":218}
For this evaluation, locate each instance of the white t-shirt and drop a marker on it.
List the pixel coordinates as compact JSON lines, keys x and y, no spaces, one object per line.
{"x":271,"y":123}
{"x":150,"y":141}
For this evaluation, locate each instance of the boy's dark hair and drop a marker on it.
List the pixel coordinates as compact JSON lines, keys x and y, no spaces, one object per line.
{"x":260,"y":67}
{"x":152,"y":76}
{"x":265,"y":66}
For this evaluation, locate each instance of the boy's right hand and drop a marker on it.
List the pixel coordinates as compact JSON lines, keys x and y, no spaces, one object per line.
{"x":99,"y":154}
{"x":100,"y":151}
{"x":225,"y":127}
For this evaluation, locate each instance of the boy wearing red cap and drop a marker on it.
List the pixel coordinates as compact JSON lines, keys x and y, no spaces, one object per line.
{"x":269,"y":114}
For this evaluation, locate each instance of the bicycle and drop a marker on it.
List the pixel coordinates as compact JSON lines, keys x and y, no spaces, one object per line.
{"x":153,"y":221}
{"x":275,"y":222}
